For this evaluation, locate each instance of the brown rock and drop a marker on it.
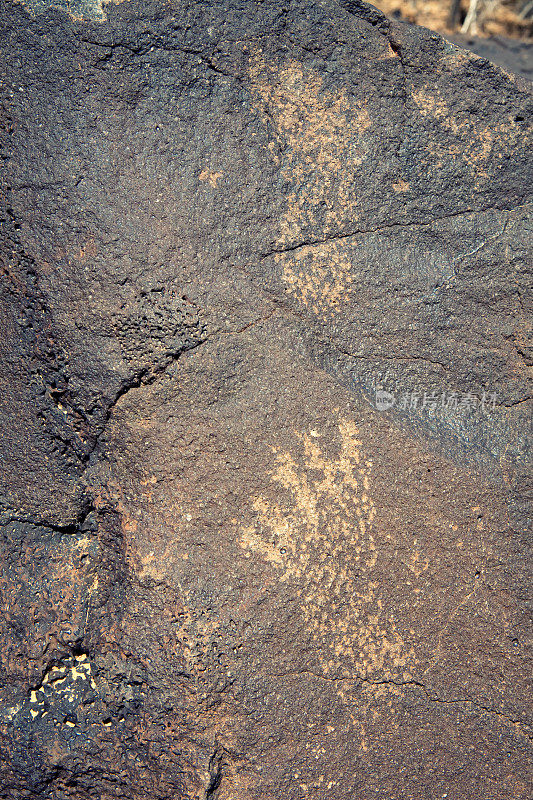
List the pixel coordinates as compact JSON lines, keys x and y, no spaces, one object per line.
{"x":265,"y":404}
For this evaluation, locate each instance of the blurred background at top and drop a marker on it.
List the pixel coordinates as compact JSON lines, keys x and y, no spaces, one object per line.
{"x":499,"y":30}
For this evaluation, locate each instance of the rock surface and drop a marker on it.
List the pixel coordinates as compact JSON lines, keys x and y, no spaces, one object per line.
{"x":266,"y":361}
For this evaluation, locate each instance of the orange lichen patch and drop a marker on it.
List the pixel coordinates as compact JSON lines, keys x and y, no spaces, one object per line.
{"x":210,"y":177}
{"x":320,"y":134}
{"x":318,"y":534}
{"x":318,"y":276}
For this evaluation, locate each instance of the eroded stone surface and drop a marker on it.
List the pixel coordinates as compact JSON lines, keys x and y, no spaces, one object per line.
{"x":248,"y":551}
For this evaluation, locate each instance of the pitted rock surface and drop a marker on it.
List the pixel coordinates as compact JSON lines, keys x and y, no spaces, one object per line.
{"x":266,"y":406}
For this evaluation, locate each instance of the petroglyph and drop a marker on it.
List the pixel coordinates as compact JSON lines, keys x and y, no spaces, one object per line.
{"x":474,"y":144}
{"x":319,"y":277}
{"x":318,"y":141}
{"x":320,"y":536}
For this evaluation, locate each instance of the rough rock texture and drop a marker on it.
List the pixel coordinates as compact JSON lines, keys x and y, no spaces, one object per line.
{"x":243,"y":556}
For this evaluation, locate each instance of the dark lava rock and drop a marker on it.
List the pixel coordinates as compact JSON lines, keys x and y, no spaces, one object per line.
{"x":266,"y":354}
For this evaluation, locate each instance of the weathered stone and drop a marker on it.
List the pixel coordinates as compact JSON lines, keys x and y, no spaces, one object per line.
{"x":239,"y":560}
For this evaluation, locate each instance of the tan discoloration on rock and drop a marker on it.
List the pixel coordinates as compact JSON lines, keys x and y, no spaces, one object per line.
{"x":321,"y":135}
{"x":474,"y":143}
{"x":401,"y":186}
{"x":319,"y":277}
{"x":322,"y":539}
{"x":323,"y":509}
{"x":211,"y":177}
